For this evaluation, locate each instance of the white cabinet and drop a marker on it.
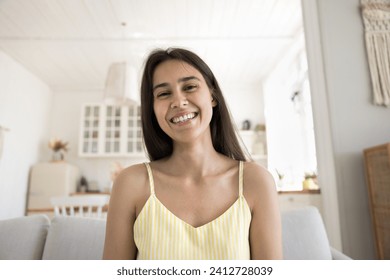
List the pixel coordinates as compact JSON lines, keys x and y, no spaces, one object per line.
{"x":256,"y":144}
{"x":49,"y":179}
{"x":289,"y":201}
{"x":108,"y":130}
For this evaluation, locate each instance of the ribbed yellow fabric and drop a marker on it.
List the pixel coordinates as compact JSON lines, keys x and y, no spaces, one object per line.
{"x":159,"y":234}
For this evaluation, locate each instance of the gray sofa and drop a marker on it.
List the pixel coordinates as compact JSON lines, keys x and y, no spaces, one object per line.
{"x":73,"y":238}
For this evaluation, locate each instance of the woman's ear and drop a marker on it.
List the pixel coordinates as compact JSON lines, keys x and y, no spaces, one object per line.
{"x":213,"y":101}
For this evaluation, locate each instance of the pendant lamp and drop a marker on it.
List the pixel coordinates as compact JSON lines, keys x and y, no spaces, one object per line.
{"x":121,"y":85}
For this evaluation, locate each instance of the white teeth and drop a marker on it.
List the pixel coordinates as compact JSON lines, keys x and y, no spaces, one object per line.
{"x":183,"y":118}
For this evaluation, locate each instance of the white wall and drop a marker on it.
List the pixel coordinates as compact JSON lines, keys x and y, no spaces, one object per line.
{"x":355,"y":123}
{"x":245,"y":103}
{"x":24,"y":109}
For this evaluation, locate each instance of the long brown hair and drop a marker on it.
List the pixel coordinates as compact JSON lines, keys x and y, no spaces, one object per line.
{"x":158,"y":143}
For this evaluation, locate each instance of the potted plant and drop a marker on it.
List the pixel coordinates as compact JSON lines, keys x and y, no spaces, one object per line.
{"x":59,"y":149}
{"x":310,"y":182}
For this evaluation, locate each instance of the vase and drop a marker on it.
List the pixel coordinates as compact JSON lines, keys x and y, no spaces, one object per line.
{"x":57,"y":156}
{"x":309,"y":184}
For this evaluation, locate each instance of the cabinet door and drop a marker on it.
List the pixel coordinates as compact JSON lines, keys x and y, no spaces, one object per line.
{"x":109,"y":130}
{"x":113,"y":130}
{"x":90,"y":130}
{"x":294,"y":201}
{"x":134,"y":143}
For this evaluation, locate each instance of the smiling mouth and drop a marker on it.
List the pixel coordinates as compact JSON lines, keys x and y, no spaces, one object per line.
{"x":184,"y":118}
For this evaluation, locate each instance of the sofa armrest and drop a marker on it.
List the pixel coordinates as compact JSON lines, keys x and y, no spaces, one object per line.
{"x":337,"y":255}
{"x":304,"y":235}
{"x":23,"y":238}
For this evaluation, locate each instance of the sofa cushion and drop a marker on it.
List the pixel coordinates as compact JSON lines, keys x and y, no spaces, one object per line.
{"x":23,"y":238}
{"x":304,"y":235}
{"x":75,"y":238}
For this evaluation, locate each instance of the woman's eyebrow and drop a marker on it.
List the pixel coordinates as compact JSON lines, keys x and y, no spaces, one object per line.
{"x":184,"y":79}
{"x":160,"y":85}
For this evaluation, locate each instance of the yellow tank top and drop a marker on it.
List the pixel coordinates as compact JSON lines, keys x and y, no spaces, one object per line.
{"x":159,"y":234}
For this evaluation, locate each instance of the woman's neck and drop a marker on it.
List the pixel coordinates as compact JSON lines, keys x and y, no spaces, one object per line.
{"x":198,"y":158}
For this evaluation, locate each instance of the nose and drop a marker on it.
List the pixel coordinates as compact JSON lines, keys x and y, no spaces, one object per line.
{"x":179,"y":100}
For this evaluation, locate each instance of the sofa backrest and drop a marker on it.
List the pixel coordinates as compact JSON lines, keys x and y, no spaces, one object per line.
{"x":303,"y":231}
{"x":23,"y":238}
{"x":75,"y":238}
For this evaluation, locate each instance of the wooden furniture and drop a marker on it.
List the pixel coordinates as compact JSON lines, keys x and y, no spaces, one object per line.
{"x":377,"y":165}
{"x":81,"y":206}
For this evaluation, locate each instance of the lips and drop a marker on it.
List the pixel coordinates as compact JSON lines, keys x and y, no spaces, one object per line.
{"x":183,"y":118}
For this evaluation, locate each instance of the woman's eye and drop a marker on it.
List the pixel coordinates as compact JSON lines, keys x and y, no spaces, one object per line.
{"x":162,"y":94}
{"x":190,"y":87}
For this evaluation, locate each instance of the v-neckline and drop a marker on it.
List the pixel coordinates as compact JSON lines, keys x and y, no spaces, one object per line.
{"x":153,"y":196}
{"x":188,"y":224}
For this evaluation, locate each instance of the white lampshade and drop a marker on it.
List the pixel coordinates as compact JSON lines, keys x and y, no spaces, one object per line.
{"x":121,"y":85}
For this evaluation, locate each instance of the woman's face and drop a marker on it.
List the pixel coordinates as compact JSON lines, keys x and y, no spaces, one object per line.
{"x":182,"y":101}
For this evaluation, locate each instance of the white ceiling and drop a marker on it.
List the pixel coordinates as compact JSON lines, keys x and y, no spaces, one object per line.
{"x":70,"y":44}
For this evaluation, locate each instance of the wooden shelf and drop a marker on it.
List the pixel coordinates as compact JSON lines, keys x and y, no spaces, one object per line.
{"x":89,"y":193}
{"x":301,"y":192}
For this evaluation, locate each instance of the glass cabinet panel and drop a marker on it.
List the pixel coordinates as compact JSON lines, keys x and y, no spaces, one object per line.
{"x":108,"y":130}
{"x":90,"y":129}
{"x":134,"y":138}
{"x":112,"y":135}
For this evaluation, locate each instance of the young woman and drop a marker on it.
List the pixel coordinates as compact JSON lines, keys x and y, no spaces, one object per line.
{"x":198,"y":198}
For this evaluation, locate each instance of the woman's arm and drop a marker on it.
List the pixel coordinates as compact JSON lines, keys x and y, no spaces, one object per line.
{"x":265,"y":234}
{"x":125,"y":195}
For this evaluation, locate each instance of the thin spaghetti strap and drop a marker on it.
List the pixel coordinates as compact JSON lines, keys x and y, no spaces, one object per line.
{"x":241,"y":179}
{"x":151,"y":181}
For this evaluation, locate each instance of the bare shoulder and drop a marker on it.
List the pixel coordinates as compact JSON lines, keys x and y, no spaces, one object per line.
{"x":256,"y":176}
{"x":131,"y":185}
{"x":265,"y":231}
{"x":132,"y":176}
{"x":129,"y":191}
{"x":259,"y":184}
